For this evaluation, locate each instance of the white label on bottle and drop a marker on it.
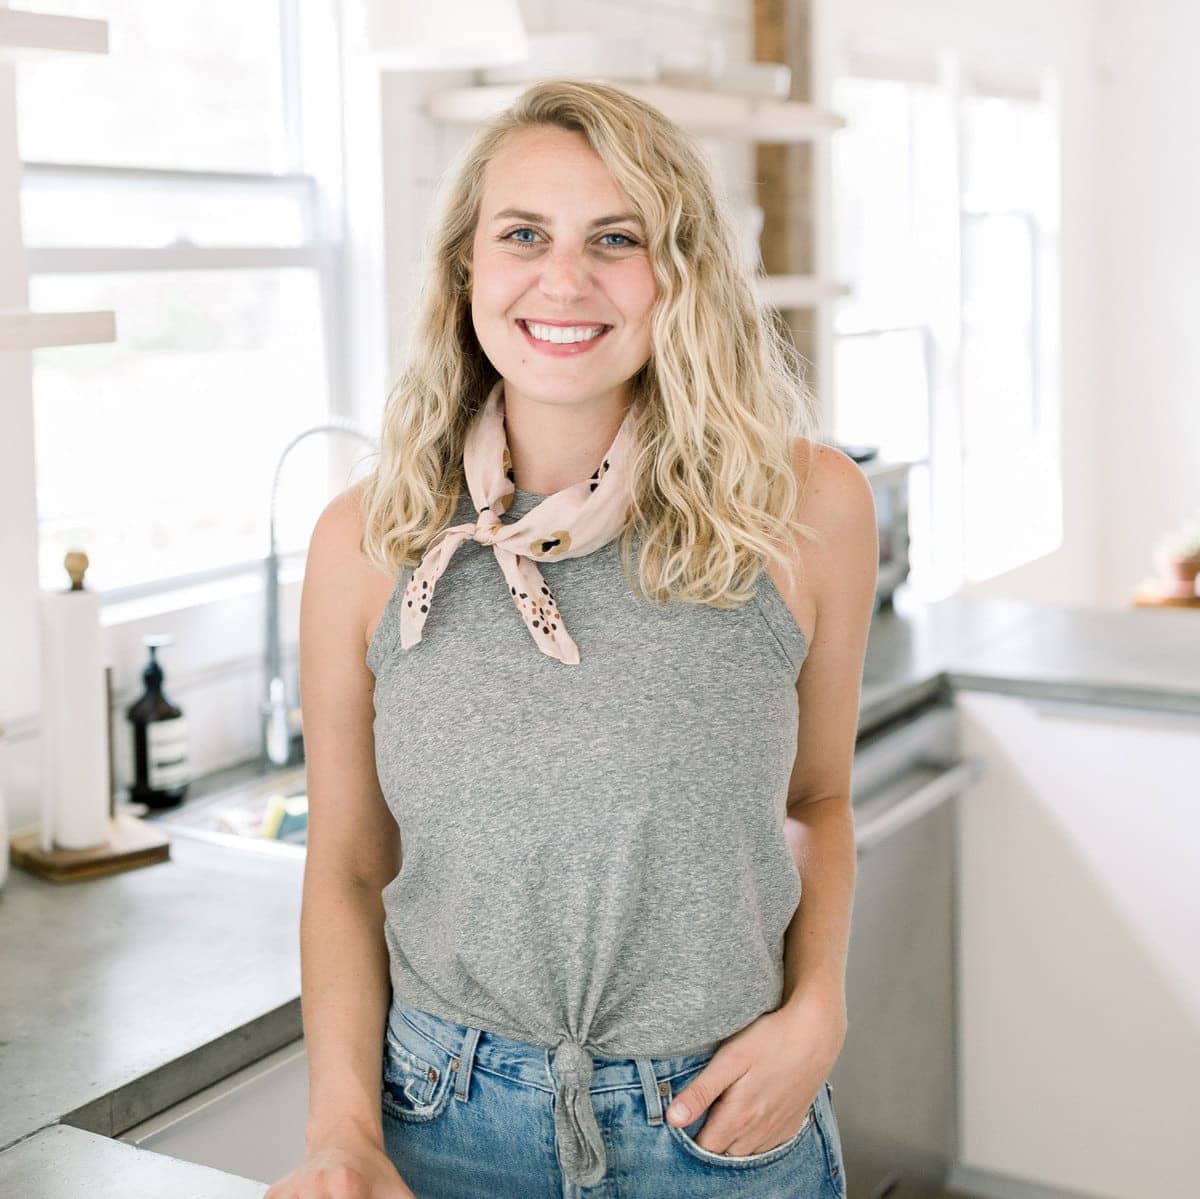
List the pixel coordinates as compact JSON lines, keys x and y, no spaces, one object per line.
{"x":166,"y":753}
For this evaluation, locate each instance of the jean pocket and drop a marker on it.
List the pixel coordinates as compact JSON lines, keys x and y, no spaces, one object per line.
{"x":416,"y":1072}
{"x":685,"y":1135}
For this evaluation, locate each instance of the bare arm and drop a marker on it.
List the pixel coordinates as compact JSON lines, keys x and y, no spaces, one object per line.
{"x":820,"y":829}
{"x":353,"y":841}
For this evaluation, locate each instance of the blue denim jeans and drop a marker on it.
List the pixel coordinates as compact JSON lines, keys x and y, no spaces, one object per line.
{"x":469,"y":1114}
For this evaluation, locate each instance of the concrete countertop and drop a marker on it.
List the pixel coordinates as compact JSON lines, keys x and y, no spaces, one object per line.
{"x":125,"y":994}
{"x":1145,"y":658}
{"x":65,"y":1163}
{"x":116,"y":1000}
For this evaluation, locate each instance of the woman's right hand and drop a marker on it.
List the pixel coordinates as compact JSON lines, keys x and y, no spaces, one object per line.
{"x":343,"y":1169}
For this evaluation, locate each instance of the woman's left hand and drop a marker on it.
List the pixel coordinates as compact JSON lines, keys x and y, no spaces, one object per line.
{"x":762,"y":1080}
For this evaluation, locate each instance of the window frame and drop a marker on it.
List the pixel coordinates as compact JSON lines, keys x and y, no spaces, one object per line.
{"x":322,"y":250}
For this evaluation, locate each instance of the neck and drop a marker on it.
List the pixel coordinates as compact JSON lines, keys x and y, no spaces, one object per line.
{"x":554,"y":445}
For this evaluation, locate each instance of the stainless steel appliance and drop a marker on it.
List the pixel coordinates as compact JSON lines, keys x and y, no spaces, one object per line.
{"x":894,"y":1083}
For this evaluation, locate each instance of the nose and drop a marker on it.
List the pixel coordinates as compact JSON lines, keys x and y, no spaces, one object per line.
{"x":565,"y":274}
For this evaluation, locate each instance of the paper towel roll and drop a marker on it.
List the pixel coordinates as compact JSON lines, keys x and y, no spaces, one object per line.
{"x":74,"y":717}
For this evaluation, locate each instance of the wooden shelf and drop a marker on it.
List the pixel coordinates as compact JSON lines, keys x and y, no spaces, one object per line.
{"x":701,"y":110}
{"x":20,"y":330}
{"x":35,"y":33}
{"x":798,"y":291}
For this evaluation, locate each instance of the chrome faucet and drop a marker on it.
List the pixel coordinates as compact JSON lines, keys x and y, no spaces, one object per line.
{"x":280,"y":722}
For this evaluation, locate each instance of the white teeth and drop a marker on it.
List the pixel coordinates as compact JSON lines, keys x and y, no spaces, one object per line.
{"x":564,"y":335}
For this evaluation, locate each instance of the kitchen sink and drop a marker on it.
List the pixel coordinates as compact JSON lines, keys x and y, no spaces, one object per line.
{"x":246,"y":807}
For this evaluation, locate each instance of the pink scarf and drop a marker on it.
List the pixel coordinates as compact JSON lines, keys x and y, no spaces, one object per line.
{"x":568,"y":524}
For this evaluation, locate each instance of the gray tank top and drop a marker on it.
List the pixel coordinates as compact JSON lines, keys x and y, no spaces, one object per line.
{"x":594,"y":857}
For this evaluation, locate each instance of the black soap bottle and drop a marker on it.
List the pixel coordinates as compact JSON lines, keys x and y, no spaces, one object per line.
{"x":160,"y":749}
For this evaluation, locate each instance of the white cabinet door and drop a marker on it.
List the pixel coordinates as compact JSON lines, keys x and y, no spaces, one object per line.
{"x":1079,"y":964}
{"x":250,"y":1124}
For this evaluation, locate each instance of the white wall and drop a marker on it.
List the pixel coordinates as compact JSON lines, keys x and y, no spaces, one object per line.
{"x":20,"y":686}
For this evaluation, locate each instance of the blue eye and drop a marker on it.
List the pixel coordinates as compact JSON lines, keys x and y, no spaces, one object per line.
{"x":511,"y":236}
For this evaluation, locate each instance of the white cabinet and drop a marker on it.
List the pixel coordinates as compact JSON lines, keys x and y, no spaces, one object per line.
{"x":1079,"y":953}
{"x":250,"y":1124}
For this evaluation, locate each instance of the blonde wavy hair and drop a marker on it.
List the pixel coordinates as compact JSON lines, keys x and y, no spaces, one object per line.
{"x":718,"y":401}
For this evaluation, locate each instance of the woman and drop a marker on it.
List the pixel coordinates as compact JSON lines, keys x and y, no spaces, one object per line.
{"x":597,"y":920}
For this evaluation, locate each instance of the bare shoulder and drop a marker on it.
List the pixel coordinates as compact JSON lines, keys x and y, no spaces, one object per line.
{"x":837,"y":503}
{"x":837,"y":496}
{"x":336,"y":560}
{"x":337,"y":535}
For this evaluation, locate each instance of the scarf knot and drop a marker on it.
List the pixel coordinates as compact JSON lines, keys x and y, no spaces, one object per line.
{"x":487,"y":528}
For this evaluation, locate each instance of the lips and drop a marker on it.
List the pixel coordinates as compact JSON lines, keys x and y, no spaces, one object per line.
{"x":564,"y":349}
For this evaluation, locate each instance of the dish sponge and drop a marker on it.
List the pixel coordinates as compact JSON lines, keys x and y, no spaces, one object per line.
{"x":286,"y":817}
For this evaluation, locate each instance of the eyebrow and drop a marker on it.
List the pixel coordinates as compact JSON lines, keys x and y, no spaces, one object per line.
{"x":521,"y":214}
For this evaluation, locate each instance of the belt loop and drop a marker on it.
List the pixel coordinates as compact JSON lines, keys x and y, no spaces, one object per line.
{"x":652,"y":1089}
{"x":463,"y":1063}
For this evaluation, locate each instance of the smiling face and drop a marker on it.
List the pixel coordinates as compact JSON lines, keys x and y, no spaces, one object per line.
{"x":559,"y":254}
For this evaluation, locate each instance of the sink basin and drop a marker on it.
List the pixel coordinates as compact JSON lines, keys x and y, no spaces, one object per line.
{"x":268,"y":813}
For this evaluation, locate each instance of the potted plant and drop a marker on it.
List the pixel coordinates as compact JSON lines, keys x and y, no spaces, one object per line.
{"x":1177,"y":557}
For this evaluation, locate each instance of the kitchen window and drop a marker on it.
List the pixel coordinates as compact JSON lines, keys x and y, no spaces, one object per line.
{"x":191,"y":186}
{"x":946,"y":352}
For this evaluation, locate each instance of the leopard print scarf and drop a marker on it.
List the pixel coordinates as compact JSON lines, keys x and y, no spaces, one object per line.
{"x":568,"y":524}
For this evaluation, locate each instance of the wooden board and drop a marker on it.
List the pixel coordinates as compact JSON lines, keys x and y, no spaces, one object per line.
{"x":132,"y":843}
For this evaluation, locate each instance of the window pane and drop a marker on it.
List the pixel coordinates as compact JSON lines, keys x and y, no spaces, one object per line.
{"x":70,"y":210}
{"x":192,"y":83}
{"x":872,"y":193}
{"x":1008,"y":154}
{"x":998,"y":396}
{"x":895,"y":207}
{"x":156,"y":452}
{"x":883,"y":393}
{"x":998,"y":271}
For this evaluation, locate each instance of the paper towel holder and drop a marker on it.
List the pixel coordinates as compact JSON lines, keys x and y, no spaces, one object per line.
{"x":129,"y":843}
